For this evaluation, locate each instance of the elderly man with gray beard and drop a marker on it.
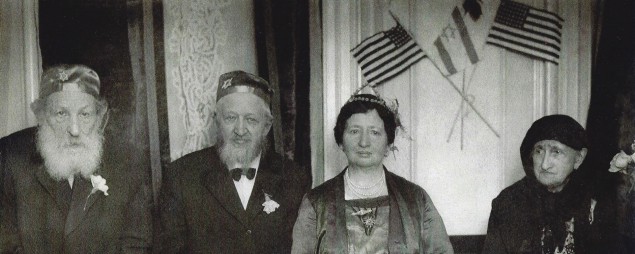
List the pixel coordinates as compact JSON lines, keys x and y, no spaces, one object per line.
{"x":57,"y":193}
{"x":235,"y":197}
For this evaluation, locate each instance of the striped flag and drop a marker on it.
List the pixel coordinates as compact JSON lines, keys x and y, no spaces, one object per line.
{"x":527,"y":30}
{"x":461,"y":41}
{"x":386,"y":54}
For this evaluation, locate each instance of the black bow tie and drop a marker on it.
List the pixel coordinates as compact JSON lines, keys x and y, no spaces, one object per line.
{"x":238,"y":172}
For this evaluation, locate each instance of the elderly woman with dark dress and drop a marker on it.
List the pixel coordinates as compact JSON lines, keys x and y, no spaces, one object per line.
{"x":553,"y":209}
{"x":366,"y":208}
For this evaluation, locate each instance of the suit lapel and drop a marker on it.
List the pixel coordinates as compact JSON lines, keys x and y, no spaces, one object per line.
{"x":215,"y":177}
{"x":79,"y":204}
{"x":53,"y":188}
{"x":267,"y":181}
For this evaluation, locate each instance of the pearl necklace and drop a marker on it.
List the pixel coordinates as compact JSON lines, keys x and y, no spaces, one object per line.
{"x":361,"y":194}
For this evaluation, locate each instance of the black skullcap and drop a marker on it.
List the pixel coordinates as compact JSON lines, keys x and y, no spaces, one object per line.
{"x":561,"y":128}
{"x":243,"y":82}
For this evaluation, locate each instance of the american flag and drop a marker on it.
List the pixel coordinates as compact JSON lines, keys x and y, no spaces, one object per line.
{"x":386,"y":54}
{"x":527,"y":30}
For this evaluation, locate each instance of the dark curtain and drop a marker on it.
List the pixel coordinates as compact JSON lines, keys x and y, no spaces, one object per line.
{"x":282,"y":41}
{"x":611,"y":119}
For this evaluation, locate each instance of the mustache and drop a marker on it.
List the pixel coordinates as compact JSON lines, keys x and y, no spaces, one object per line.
{"x":73,"y":144}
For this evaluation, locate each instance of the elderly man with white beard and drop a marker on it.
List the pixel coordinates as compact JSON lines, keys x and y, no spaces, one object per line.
{"x":238,"y":196}
{"x":57,"y":193}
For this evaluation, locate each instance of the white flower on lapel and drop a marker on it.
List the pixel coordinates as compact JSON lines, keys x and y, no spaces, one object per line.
{"x":269,"y":204}
{"x":99,"y":184}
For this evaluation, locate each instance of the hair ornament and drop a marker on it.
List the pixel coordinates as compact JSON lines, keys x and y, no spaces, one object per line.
{"x":392,"y":106}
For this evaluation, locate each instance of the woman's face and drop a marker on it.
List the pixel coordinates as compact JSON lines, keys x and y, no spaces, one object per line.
{"x":364,"y":141}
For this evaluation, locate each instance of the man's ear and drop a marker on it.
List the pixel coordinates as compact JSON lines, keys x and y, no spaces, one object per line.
{"x":580,"y":158}
{"x":268,"y":126}
{"x":37,"y":107}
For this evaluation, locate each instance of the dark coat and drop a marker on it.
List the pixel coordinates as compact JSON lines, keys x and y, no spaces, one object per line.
{"x":518,"y":216}
{"x":37,"y":218}
{"x":415,"y":226}
{"x":201,"y":211}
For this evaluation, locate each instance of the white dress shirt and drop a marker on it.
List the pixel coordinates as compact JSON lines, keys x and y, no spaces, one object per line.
{"x":244,"y":186}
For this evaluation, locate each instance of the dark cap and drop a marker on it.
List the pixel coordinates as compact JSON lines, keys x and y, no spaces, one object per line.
{"x":243,"y":82}
{"x":561,"y":128}
{"x":66,"y":77}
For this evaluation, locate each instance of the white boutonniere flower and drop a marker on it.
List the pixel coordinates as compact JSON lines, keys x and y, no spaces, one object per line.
{"x":99,"y":184}
{"x":269,"y":204}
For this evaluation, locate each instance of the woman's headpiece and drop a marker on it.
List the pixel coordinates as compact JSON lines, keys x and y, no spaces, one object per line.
{"x":392,"y":107}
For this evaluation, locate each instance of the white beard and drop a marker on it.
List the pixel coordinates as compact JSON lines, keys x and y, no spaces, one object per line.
{"x":67,"y":156}
{"x":231,"y":155}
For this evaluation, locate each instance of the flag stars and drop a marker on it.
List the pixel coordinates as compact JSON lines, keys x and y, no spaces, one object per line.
{"x":512,"y":14}
{"x":398,"y":36}
{"x":448,"y":32}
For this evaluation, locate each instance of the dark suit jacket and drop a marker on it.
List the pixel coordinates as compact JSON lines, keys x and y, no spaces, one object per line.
{"x":201,"y":211}
{"x":40,"y":215}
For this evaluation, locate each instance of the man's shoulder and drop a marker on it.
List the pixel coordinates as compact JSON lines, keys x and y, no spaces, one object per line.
{"x":195,"y":158}
{"x":18,"y":139}
{"x":192,"y":165}
{"x":19,"y":144}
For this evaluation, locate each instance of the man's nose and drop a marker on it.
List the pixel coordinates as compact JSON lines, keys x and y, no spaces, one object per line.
{"x":73,"y":126}
{"x":240,"y":128}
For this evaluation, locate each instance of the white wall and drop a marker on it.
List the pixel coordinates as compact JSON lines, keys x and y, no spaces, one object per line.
{"x":20,"y":66}
{"x":464,"y":172}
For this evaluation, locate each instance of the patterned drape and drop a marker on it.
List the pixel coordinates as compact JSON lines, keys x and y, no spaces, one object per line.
{"x":203,"y":39}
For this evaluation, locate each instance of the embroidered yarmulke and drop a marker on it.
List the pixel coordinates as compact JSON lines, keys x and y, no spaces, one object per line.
{"x":243,"y":82}
{"x":77,"y":78}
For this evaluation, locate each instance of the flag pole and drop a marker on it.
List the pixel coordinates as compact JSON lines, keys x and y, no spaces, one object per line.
{"x":468,"y":102}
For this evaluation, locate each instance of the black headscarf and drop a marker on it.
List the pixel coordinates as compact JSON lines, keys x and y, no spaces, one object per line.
{"x":561,"y":128}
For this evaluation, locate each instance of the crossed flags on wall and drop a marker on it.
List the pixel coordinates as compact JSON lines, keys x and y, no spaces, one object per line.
{"x":511,"y":25}
{"x":508,"y":24}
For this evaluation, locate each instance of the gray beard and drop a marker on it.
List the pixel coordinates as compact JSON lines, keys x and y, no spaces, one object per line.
{"x":231,"y":155}
{"x":63,"y":161}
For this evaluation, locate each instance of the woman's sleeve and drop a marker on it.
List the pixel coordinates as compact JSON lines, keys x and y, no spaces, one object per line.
{"x":436,"y":238}
{"x":304,"y":236}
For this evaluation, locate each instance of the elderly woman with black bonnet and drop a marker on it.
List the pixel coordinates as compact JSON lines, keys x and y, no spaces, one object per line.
{"x":552,"y":209}
{"x":366,"y":208}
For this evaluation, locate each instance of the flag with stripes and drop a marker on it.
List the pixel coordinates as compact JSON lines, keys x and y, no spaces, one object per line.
{"x":386,"y":54}
{"x":461,"y":41}
{"x":527,"y":30}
